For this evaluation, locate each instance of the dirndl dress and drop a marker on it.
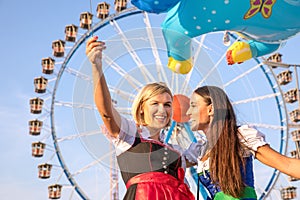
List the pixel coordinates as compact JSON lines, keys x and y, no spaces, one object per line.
{"x":152,"y":170}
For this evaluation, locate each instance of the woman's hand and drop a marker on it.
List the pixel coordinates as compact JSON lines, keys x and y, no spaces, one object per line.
{"x":94,"y":50}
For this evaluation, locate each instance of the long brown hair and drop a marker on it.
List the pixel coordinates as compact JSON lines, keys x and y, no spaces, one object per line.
{"x":224,"y":145}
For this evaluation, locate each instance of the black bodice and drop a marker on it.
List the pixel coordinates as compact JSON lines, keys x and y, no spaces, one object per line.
{"x":148,"y":156}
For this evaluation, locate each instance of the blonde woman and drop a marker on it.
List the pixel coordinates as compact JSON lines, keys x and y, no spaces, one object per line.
{"x":150,"y":168}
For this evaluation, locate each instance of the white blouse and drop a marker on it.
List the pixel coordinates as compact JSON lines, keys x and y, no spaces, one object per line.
{"x":249,"y":136}
{"x":127,"y":136}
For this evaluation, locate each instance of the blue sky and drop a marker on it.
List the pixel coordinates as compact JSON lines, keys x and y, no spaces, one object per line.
{"x":27,"y":31}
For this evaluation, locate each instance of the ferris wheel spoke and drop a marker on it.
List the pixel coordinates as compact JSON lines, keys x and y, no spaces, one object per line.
{"x":78,"y":74}
{"x":268,"y":126}
{"x":80,"y":135}
{"x":44,"y":117}
{"x":47,"y":110}
{"x":125,"y":95}
{"x":95,"y":162}
{"x":294,"y":125}
{"x":49,"y":148}
{"x":132,"y":81}
{"x":186,"y":82}
{"x":75,"y":105}
{"x":147,"y":75}
{"x":173,"y":81}
{"x":45,"y":137}
{"x":124,"y":110}
{"x":243,"y":74}
{"x":200,"y":45}
{"x":51,"y":158}
{"x":256,"y":98}
{"x":160,"y":70}
{"x":211,"y":70}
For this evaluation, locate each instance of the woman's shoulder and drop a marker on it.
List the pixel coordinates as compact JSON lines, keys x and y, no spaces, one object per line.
{"x":247,"y":129}
{"x":251,"y":137}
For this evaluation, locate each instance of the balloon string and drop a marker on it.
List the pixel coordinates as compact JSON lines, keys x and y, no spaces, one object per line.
{"x":91,"y":26}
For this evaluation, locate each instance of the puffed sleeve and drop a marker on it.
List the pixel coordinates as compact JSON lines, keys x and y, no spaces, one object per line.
{"x":251,"y":138}
{"x":196,"y":149}
{"x":126,"y":136}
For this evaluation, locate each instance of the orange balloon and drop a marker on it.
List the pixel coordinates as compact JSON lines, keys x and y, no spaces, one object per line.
{"x":181,"y":104}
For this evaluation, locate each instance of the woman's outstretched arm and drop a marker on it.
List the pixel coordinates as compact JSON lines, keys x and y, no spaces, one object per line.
{"x":111,"y":118}
{"x":270,"y":157}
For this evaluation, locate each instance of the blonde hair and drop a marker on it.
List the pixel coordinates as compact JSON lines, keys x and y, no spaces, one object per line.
{"x":148,"y":91}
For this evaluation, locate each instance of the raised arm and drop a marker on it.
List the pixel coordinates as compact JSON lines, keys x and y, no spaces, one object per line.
{"x":272,"y":158}
{"x":111,"y":118}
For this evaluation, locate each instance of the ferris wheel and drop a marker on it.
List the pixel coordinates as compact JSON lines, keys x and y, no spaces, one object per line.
{"x":77,"y":158}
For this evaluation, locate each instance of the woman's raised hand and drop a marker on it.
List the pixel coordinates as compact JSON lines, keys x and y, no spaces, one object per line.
{"x":94,"y":50}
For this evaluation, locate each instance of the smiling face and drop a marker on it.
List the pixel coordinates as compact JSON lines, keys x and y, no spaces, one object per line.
{"x":200,"y":112}
{"x":157,"y":111}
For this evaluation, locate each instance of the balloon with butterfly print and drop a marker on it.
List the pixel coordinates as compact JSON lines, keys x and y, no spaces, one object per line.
{"x":262,"y":25}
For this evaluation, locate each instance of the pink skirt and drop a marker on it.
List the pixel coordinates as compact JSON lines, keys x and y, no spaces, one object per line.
{"x":160,"y":186}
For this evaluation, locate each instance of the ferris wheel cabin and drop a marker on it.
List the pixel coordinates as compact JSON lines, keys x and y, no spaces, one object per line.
{"x":36,"y":105}
{"x":86,"y":19}
{"x":54,"y":191}
{"x":295,"y":115}
{"x":44,"y":170}
{"x":35,"y":127}
{"x":291,"y":96}
{"x":276,"y":58}
{"x":40,"y":84}
{"x":103,"y":10}
{"x":284,"y":77}
{"x":71,"y":33}
{"x":296,"y":139}
{"x":58,"y":47}
{"x":288,"y":193}
{"x":295,"y":154}
{"x":48,"y":65}
{"x":38,"y":149}
{"x":120,"y":5}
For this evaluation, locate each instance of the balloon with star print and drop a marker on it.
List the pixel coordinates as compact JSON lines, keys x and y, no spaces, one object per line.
{"x":263,"y":25}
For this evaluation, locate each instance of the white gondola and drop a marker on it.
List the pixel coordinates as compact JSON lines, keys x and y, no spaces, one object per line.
{"x":71,"y":33}
{"x":120,"y":5}
{"x":38,"y":149}
{"x":44,"y":170}
{"x":86,"y":20}
{"x":40,"y":84}
{"x":48,"y":65}
{"x":103,"y":10}
{"x":284,"y":77}
{"x":36,"y":105}
{"x":35,"y":127}
{"x":58,"y":47}
{"x":54,"y":191}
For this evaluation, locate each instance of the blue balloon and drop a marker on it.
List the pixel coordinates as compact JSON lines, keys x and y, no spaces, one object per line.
{"x":265,"y":24}
{"x":158,"y":6}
